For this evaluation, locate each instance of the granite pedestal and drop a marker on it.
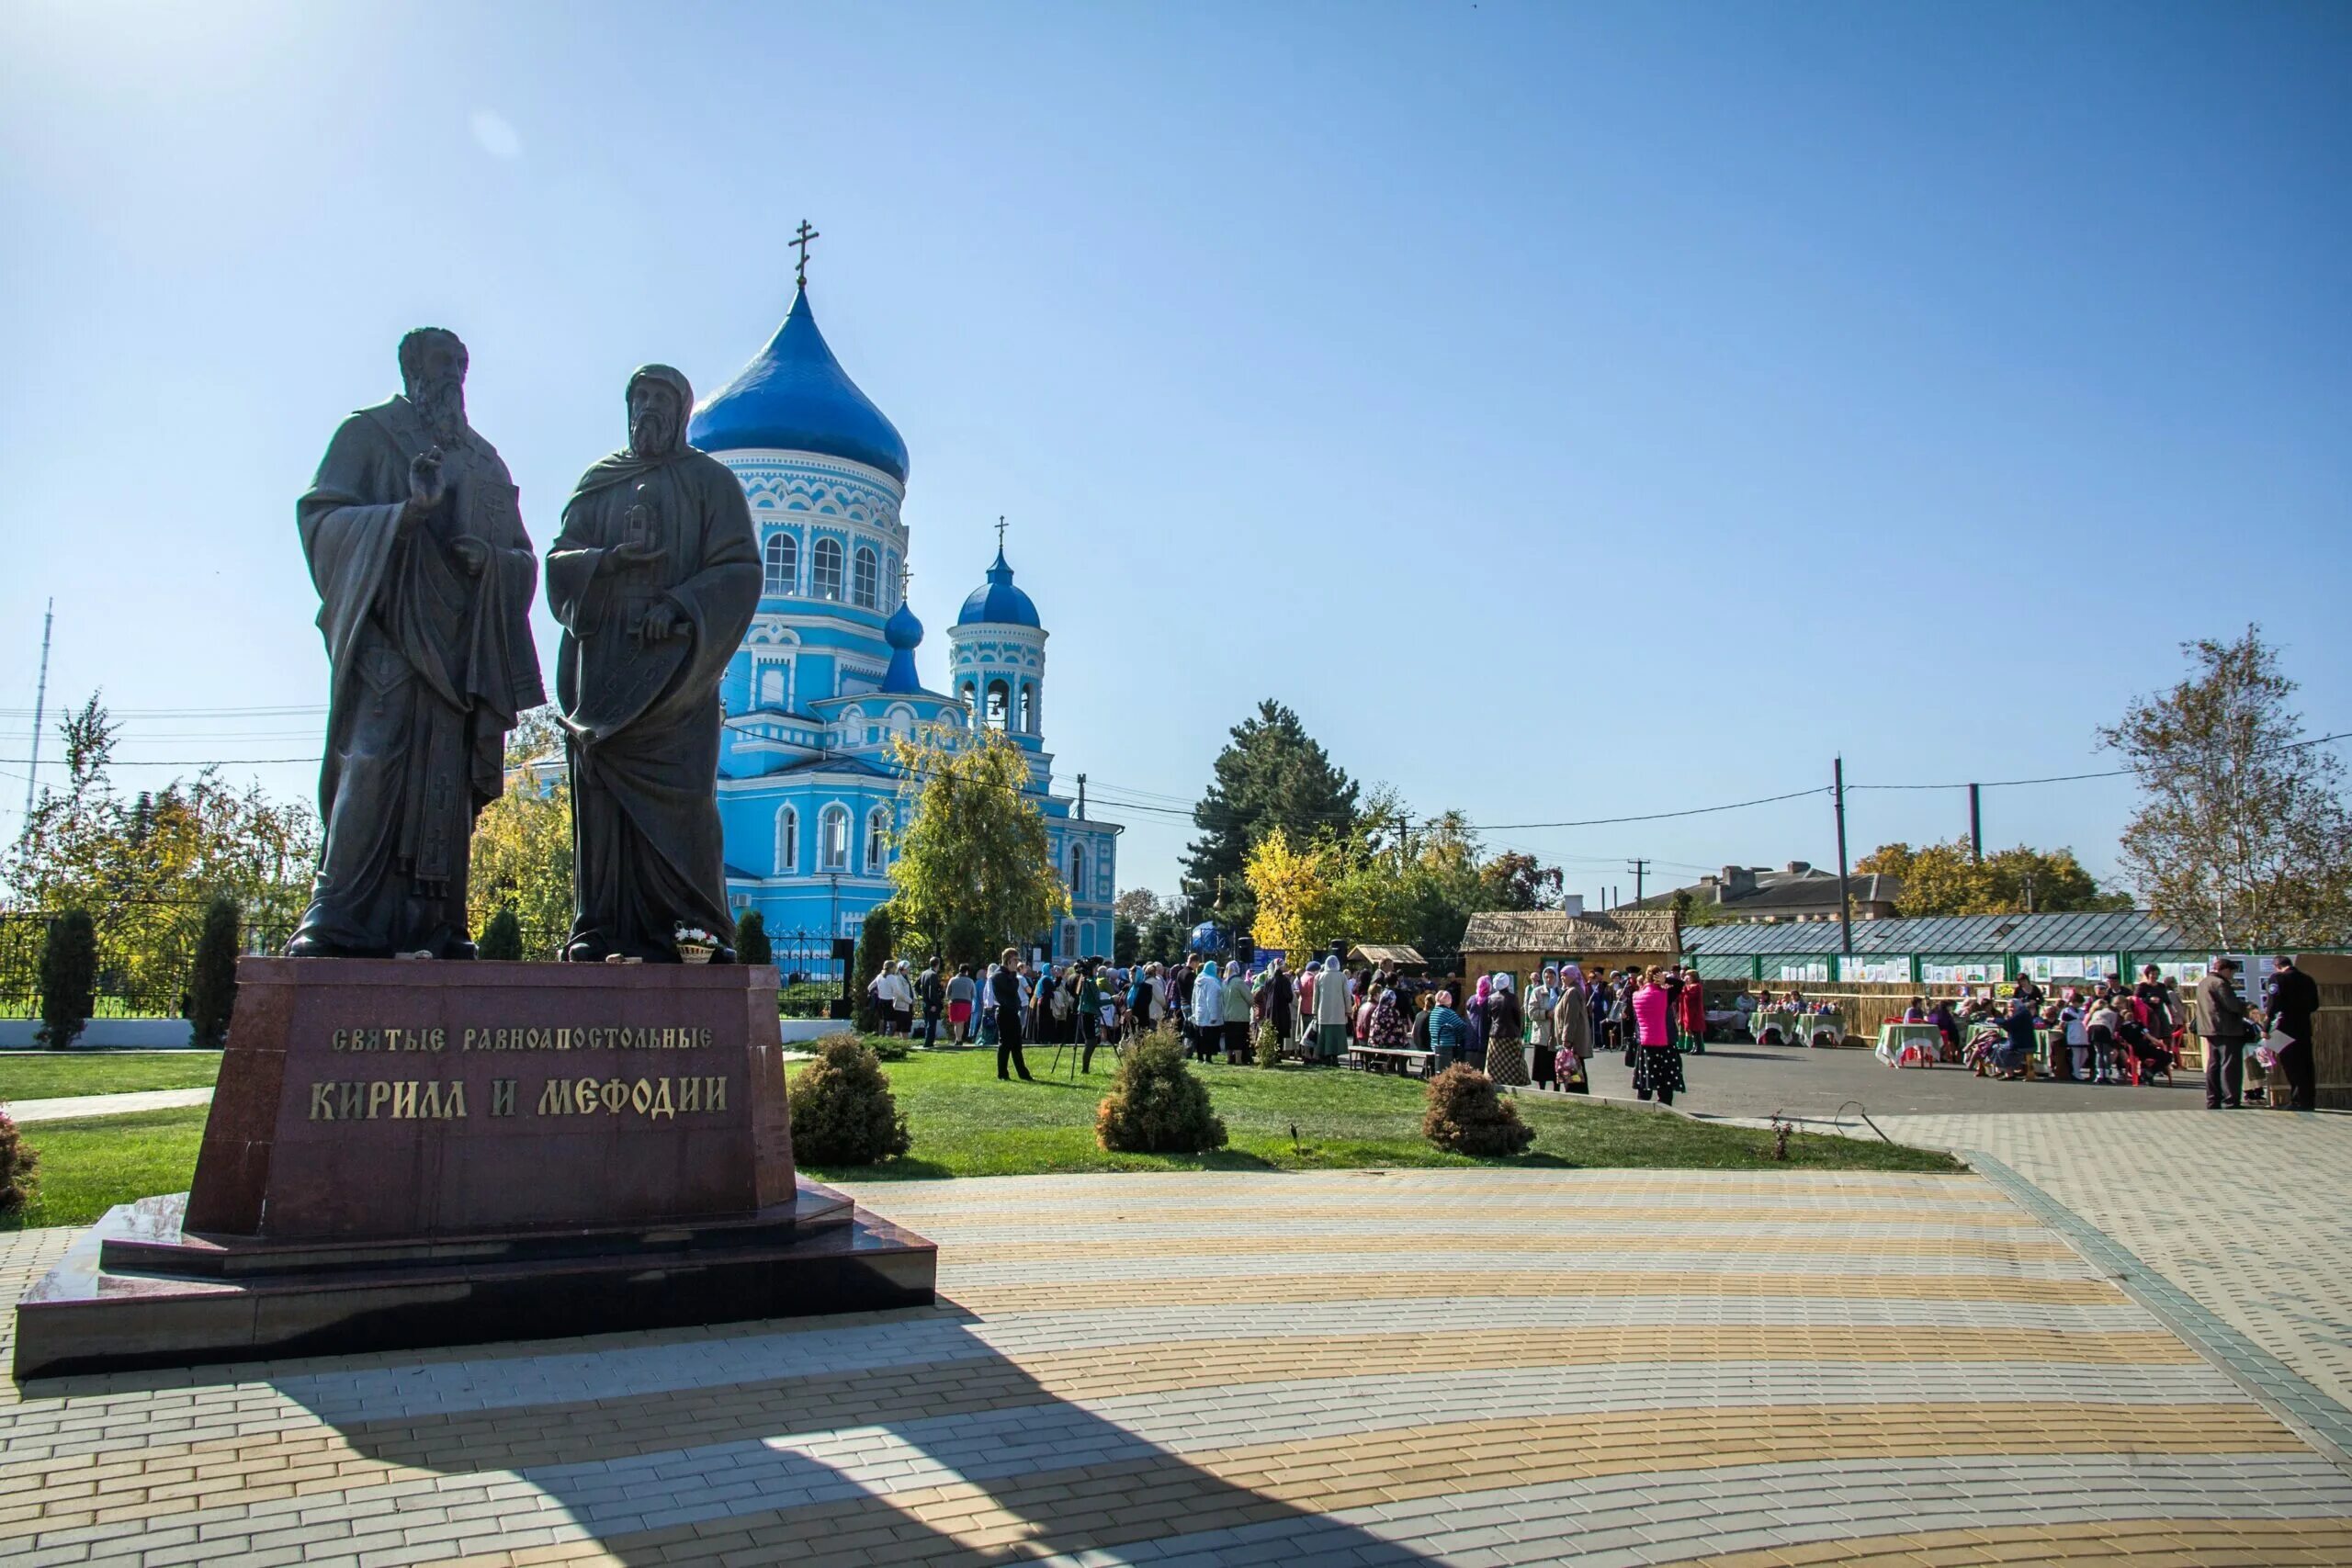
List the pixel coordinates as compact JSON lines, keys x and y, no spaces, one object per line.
{"x":419,"y":1153}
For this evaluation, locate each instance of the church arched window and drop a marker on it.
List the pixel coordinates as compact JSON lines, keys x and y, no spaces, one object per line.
{"x":776,"y":682}
{"x":825,"y":569}
{"x":787,"y":842}
{"x":1078,"y":871}
{"x":999,"y":704}
{"x":782,"y":561}
{"x":1028,"y":708}
{"x":866,"y":580}
{"x":832,"y":838}
{"x":878,"y":838}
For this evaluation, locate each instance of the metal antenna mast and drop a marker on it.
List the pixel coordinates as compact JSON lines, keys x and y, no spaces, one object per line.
{"x":40,"y":699}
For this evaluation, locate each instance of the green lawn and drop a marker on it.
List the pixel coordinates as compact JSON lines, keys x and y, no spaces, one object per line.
{"x":966,"y":1123}
{"x":89,"y":1164}
{"x":54,"y":1075}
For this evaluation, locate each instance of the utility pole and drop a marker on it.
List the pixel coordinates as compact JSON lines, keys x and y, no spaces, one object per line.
{"x":1640,"y":868}
{"x":2028,"y":893}
{"x":40,"y":699}
{"x":1844,"y":890}
{"x":1081,"y":798}
{"x":1976,"y":822}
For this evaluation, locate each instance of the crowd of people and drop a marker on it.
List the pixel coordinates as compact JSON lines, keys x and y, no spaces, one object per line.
{"x":1321,"y":1014}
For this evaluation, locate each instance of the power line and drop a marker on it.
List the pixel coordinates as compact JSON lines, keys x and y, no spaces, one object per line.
{"x":2108,"y":774}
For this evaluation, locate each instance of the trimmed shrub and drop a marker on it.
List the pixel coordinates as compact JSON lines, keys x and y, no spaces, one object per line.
{"x":1269,"y":1045}
{"x":69,"y":979}
{"x":875,"y":941}
{"x":19,"y":1169}
{"x":502,"y":937}
{"x":212,"y":984}
{"x":1467,"y":1117}
{"x":1156,"y":1106}
{"x":843,"y":1113}
{"x":752,"y":945}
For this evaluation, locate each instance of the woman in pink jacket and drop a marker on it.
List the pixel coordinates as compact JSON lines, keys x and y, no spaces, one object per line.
{"x":1657,"y":1066}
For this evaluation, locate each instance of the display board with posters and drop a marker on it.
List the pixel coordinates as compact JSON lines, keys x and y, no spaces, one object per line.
{"x":1816,"y":972}
{"x":1969,"y":973}
{"x":2068,"y":966}
{"x":1876,"y":971}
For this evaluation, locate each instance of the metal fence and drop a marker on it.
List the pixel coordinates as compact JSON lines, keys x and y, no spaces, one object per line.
{"x":147,"y":951}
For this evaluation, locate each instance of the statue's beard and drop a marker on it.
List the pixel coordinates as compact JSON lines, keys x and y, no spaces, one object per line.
{"x":443,"y":405}
{"x":652,"y":436}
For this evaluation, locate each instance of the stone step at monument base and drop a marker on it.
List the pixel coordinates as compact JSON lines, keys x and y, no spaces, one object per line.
{"x":87,"y":1316}
{"x":151,"y":1239}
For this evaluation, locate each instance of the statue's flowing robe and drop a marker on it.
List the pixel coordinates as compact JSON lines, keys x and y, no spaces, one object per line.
{"x":643,"y":717}
{"x":430,"y":668}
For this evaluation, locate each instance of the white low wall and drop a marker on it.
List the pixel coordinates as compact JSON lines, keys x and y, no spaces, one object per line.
{"x":138,"y":1033}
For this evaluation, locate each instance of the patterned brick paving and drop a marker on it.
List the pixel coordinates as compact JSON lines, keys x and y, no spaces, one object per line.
{"x":1746,"y":1370}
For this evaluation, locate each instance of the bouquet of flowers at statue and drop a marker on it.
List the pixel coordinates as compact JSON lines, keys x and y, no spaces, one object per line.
{"x":694,"y":944}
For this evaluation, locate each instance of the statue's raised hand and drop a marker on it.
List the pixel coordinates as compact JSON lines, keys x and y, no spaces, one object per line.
{"x":425,"y":486}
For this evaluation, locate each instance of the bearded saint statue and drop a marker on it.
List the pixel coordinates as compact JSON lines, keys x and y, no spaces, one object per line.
{"x":654,"y":578}
{"x":425,"y":576}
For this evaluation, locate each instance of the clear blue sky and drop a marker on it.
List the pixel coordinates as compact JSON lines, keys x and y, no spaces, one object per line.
{"x":1572,"y":410}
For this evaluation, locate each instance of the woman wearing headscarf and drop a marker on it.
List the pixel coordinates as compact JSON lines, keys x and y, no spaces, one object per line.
{"x":1506,"y":1042}
{"x":1474,"y":1011}
{"x":1390,"y":1031}
{"x":1572,"y":1027}
{"x":1331,"y":1012}
{"x":1542,"y":1033}
{"x":1449,"y":1032}
{"x":1657,"y":1066}
{"x":1208,"y":1013}
{"x":1236,"y":999}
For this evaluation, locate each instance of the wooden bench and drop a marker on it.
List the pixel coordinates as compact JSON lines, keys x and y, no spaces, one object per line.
{"x":1391,"y":1059}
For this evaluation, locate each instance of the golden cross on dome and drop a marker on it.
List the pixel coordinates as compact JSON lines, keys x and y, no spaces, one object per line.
{"x":801,"y":240}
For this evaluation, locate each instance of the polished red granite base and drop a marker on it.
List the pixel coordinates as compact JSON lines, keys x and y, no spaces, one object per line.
{"x":103,"y":1307}
{"x":411,"y":1154}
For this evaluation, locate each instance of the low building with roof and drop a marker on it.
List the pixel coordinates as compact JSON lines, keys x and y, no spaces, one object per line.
{"x":1798,"y":891}
{"x":1520,"y":943}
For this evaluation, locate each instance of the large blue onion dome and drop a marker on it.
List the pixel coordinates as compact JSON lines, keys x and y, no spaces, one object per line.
{"x":795,"y":397}
{"x":904,"y":634}
{"x":997,"y":602}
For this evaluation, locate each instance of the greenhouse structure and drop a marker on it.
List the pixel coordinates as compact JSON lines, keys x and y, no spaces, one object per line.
{"x":1948,"y":949}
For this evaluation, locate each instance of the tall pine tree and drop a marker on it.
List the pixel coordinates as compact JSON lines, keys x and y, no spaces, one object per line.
{"x":1271,"y":774}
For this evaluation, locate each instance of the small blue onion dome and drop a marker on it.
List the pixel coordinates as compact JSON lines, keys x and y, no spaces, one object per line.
{"x":795,"y":397}
{"x":903,"y":632}
{"x":997,"y":602}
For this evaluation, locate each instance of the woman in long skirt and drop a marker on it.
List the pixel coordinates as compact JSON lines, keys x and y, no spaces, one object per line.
{"x":1657,"y":1066}
{"x":1506,"y":1042}
{"x":1542,"y":1033}
{"x":1572,"y":1025}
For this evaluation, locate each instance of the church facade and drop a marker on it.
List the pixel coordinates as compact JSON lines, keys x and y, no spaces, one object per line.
{"x":827,"y":680}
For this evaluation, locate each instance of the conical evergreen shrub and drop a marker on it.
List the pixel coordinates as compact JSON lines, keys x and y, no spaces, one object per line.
{"x":843,"y":1112}
{"x":69,"y":979}
{"x":502,"y":936}
{"x":751,"y":944}
{"x":213,"y":981}
{"x":1156,"y":1106}
{"x":1467,"y":1117}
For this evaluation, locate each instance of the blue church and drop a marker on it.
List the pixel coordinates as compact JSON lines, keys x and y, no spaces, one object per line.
{"x":827,"y":678}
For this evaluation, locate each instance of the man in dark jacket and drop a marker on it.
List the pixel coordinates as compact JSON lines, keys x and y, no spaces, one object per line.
{"x":1005,"y":986}
{"x":2220,"y":1023}
{"x":2288,"y":1004}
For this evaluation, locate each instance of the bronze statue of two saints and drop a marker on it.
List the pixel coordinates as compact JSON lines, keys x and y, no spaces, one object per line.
{"x":424,"y":575}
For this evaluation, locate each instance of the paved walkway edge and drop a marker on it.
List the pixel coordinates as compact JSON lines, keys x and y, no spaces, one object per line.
{"x":2313,"y":1417}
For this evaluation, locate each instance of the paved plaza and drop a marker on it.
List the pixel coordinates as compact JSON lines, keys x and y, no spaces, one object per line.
{"x":1467,"y":1367}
